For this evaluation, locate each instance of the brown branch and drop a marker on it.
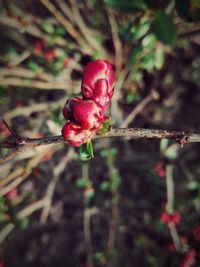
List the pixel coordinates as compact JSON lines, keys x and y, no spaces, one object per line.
{"x":179,"y":136}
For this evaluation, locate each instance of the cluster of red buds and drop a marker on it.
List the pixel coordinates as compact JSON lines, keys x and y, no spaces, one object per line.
{"x":39,"y":49}
{"x":189,"y":259}
{"x":85,"y":115}
{"x":170,"y":219}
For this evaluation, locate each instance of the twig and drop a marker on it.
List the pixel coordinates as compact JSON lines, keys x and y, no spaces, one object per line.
{"x":116,"y":41}
{"x":67,"y":25}
{"x":27,"y":211}
{"x":170,"y":206}
{"x":51,"y":186}
{"x":152,"y":96}
{"x":114,"y":223}
{"x":87,"y":213}
{"x":26,"y":111}
{"x":52,"y":85}
{"x":87,"y":32}
{"x":179,"y":136}
{"x":19,"y":175}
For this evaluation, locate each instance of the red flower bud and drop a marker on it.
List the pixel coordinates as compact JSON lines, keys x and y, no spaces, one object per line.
{"x":38,"y":47}
{"x":189,"y":259}
{"x":50,"y":55}
{"x":196,"y":232}
{"x":75,"y":135}
{"x":94,"y":71}
{"x":68,"y":109}
{"x":88,"y":115}
{"x":169,"y":219}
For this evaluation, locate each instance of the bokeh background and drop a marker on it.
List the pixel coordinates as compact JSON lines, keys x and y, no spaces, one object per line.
{"x":137,"y":203}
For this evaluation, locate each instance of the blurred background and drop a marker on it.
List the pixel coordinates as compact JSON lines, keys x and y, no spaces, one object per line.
{"x":137,"y":203}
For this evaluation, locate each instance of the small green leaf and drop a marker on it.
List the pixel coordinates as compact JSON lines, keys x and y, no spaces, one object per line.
{"x":128,"y":6}
{"x":47,"y":27}
{"x":81,"y":183}
{"x":34,"y":67}
{"x":86,"y":151}
{"x":106,"y":126}
{"x":90,"y":148}
{"x":104,"y":186}
{"x":193,"y":185}
{"x":164,"y":28}
{"x":134,"y":54}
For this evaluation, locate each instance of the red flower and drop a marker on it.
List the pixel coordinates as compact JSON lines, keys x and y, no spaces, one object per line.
{"x":160,"y":170}
{"x":50,"y":55}
{"x":196,"y":232}
{"x":75,"y":135}
{"x":170,"y":219}
{"x":189,"y":259}
{"x":98,"y":80}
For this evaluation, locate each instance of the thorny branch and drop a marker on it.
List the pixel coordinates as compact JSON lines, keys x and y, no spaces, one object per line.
{"x":31,"y":143}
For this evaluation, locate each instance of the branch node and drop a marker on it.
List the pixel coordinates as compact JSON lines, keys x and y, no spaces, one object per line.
{"x":182,"y":140}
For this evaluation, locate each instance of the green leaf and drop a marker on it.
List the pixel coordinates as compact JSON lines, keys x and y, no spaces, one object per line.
{"x":164,"y":28}
{"x":134,"y":54}
{"x":140,"y":30}
{"x":193,"y":185}
{"x":128,"y":6}
{"x":105,"y":186}
{"x":90,"y":148}
{"x":86,"y":151}
{"x":47,"y":27}
{"x":81,"y":183}
{"x":34,"y":67}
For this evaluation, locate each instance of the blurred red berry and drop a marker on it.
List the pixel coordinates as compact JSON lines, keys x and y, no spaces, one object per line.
{"x":196,"y":232}
{"x":50,"y":55}
{"x":75,"y":135}
{"x":38,"y":47}
{"x":170,"y":219}
{"x":12,"y":194}
{"x":160,"y":170}
{"x":189,"y":259}
{"x":66,"y":62}
{"x":1,"y":263}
